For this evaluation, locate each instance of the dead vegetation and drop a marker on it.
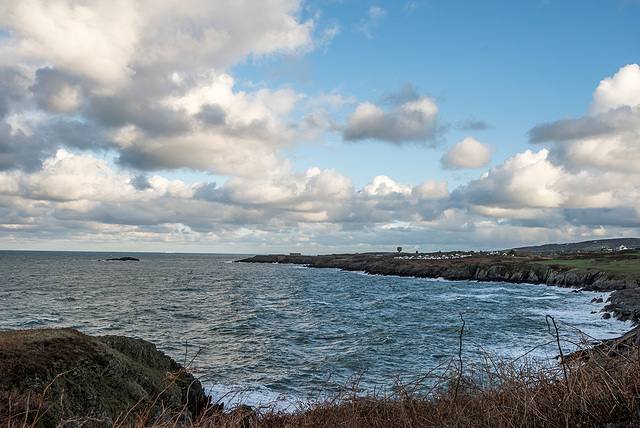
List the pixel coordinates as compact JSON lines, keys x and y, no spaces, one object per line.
{"x":597,"y":387}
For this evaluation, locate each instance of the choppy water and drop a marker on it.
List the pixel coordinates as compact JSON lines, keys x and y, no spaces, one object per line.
{"x":283,"y":330}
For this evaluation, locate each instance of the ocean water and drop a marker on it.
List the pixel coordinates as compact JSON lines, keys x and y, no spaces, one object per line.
{"x":261,"y":333}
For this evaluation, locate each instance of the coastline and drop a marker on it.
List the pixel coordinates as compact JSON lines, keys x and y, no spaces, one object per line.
{"x":513,"y":268}
{"x":623,"y":303}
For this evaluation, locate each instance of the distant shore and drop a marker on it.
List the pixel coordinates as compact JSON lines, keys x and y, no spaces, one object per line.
{"x":583,"y":271}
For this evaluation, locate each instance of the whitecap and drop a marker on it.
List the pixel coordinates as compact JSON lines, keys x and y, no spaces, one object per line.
{"x":259,"y":397}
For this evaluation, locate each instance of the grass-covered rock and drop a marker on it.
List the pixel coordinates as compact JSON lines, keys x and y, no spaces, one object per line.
{"x":56,"y":375}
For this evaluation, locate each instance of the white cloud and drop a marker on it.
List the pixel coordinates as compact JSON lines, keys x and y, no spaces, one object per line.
{"x":613,"y":153}
{"x":530,"y":180}
{"x":93,"y":39}
{"x":148,"y":78}
{"x":525,"y":180}
{"x":586,"y":184}
{"x":150,"y":83}
{"x":110,"y":41}
{"x":608,"y":138}
{"x":468,"y":153}
{"x":384,"y":186}
{"x":431,"y":189}
{"x":240,"y":106}
{"x":315,"y":190}
{"x":194,"y":33}
{"x":235,"y":133}
{"x":81,"y":194}
{"x":623,"y":89}
{"x":68,"y":177}
{"x":412,"y":121}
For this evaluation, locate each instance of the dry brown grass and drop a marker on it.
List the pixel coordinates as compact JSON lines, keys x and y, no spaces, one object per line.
{"x":600,"y":388}
{"x":598,"y":391}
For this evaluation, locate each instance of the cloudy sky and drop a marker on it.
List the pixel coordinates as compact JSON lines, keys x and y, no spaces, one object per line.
{"x":321,"y":126}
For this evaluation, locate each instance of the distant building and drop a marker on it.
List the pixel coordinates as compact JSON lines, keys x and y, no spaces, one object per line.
{"x":295,"y":254}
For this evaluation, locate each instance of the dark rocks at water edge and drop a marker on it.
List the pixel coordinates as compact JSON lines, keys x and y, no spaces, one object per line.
{"x":624,"y":302}
{"x":57,"y":375}
{"x":123,"y":259}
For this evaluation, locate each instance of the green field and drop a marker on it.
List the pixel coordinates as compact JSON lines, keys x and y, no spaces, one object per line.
{"x":623,"y":264}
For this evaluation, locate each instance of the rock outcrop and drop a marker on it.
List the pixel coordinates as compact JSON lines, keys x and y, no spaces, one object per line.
{"x":61,"y":376}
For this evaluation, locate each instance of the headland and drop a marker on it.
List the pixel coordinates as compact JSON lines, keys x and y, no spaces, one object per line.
{"x":617,"y":272}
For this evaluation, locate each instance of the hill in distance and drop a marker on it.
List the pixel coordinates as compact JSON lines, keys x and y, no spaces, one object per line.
{"x":572,"y":247}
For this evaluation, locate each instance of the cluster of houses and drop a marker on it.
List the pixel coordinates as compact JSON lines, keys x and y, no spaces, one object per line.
{"x":436,"y":256}
{"x":462,"y":255}
{"x":620,"y":248}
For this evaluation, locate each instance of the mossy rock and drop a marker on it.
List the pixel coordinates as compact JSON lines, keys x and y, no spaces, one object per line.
{"x":96,"y":381}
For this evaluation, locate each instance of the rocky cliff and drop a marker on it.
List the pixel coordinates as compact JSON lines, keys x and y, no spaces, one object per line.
{"x":53,"y":377}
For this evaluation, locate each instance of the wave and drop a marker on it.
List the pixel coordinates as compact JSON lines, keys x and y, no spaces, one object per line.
{"x":258,"y":397}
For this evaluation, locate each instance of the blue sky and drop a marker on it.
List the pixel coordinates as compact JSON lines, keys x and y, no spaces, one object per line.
{"x":317,"y":126}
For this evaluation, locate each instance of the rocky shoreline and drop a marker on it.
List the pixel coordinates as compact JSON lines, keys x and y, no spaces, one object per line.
{"x":55,"y":377}
{"x":623,"y":304}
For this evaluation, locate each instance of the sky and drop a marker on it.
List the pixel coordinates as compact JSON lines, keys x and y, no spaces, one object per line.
{"x":317,"y":126}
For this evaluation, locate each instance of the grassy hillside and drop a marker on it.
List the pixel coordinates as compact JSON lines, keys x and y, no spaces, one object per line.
{"x":619,"y":264}
{"x":572,"y":247}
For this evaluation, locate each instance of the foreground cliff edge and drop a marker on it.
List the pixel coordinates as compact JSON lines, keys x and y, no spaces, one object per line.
{"x":61,"y":377}
{"x":52,"y":376}
{"x":606,"y":271}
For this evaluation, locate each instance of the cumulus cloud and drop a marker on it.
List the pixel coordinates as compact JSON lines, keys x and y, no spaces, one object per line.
{"x":198,"y":35}
{"x":311,"y":191}
{"x":431,"y":189}
{"x":211,"y":127}
{"x":384,"y":186}
{"x":525,"y":180}
{"x":150,"y":79}
{"x":104,"y":35}
{"x":468,"y":153}
{"x":623,"y":89}
{"x":20,"y":149}
{"x":584,"y":185}
{"x":80,"y":191}
{"x":413,"y":121}
{"x":114,"y":41}
{"x":80,"y":195}
{"x":608,"y":137}
{"x":530,"y":180}
{"x":148,"y":84}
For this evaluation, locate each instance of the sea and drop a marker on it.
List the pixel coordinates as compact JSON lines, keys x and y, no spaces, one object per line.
{"x":281,"y":336}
